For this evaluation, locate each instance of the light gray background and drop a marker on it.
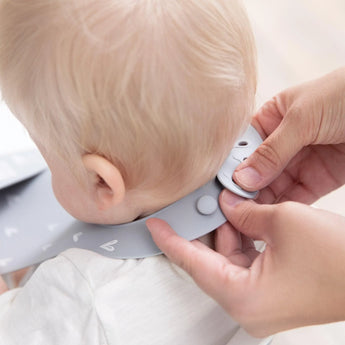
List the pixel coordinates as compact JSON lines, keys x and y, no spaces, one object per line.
{"x":297,"y":40}
{"x":300,"y":40}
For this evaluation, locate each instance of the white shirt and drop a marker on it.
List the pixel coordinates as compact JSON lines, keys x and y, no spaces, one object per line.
{"x":83,"y":298}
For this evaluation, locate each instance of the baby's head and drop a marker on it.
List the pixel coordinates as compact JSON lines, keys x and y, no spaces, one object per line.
{"x":133,"y":103}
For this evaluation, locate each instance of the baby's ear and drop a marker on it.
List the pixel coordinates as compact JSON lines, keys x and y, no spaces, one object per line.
{"x":105,"y":180}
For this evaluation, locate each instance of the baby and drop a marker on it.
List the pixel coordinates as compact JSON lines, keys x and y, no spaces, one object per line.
{"x":133,"y":104}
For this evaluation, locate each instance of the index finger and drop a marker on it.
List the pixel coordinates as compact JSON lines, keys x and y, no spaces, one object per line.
{"x":210,"y":270}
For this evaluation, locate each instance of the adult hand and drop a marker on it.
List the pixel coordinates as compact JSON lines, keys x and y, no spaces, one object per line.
{"x":303,"y":157}
{"x":298,"y":280}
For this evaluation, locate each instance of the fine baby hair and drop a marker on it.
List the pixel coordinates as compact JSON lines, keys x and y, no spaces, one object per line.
{"x":134,"y":104}
{"x":159,"y":88}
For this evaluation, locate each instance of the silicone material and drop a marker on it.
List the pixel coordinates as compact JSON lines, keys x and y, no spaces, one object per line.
{"x":34,"y":227}
{"x":19,"y":167}
{"x":243,"y":148}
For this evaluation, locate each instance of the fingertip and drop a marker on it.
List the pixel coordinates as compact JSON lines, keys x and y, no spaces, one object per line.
{"x":248,"y":178}
{"x":153,"y":223}
{"x":159,"y":229}
{"x":230,"y":199}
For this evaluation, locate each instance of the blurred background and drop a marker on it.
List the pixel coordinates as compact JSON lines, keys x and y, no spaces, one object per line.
{"x":297,"y":40}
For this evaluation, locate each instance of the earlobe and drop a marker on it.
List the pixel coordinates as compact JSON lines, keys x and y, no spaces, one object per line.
{"x":108,"y":187}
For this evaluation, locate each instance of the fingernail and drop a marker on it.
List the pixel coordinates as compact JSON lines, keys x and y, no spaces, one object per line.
{"x":231,"y":199}
{"x":248,"y":177}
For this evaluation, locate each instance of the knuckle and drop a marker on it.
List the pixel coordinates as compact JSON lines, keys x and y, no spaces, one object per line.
{"x":295,"y":113}
{"x":246,"y":218}
{"x":268,"y":156}
{"x":280,"y":211}
{"x":186,"y":264}
{"x":189,"y":263}
{"x":306,"y":124}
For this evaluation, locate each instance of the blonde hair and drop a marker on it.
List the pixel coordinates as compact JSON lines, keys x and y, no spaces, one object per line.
{"x":162,"y":88}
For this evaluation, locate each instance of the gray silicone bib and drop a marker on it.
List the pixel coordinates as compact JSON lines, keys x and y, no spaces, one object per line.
{"x":34,"y":227}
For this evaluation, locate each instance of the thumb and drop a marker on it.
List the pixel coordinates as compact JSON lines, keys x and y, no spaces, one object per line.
{"x":271,"y":157}
{"x":248,"y":217}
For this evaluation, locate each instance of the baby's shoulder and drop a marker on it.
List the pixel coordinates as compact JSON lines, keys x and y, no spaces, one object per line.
{"x":99,"y":270}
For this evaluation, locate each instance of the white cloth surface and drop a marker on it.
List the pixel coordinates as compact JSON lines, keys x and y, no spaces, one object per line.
{"x":83,"y":298}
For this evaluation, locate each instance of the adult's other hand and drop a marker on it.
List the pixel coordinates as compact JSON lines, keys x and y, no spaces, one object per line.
{"x":298,"y":280}
{"x":303,"y":156}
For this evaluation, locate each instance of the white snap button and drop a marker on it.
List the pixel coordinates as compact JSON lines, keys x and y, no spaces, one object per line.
{"x":207,"y":205}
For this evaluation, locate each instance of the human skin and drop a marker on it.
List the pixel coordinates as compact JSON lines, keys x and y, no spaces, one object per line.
{"x":299,"y":279}
{"x":303,"y":157}
{"x":3,"y":286}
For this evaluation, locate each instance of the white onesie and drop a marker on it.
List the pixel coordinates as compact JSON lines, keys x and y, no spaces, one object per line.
{"x":83,"y":298}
